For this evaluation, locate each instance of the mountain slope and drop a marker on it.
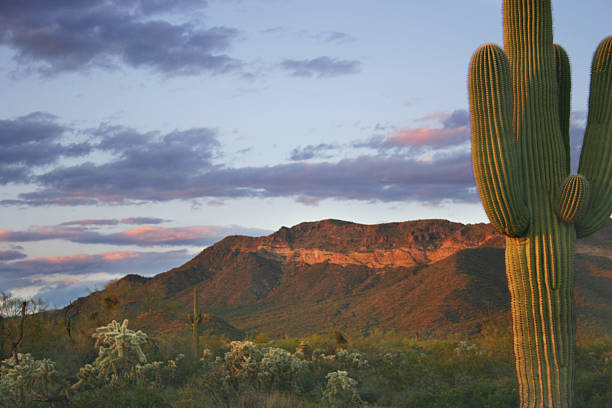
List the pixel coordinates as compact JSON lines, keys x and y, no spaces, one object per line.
{"x":429,"y":277}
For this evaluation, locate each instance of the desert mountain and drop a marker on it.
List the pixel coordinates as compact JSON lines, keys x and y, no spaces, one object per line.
{"x":429,"y":277}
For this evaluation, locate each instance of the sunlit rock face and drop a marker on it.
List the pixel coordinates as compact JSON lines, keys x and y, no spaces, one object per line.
{"x":429,"y":277}
{"x":404,"y":244}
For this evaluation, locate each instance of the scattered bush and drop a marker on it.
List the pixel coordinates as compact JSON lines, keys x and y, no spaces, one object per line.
{"x":381,"y":370}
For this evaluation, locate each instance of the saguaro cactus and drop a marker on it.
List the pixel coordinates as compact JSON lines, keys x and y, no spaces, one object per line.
{"x":195,"y":320}
{"x":520,"y":105}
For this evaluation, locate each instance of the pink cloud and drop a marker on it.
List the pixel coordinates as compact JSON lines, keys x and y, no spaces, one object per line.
{"x":120,"y":255}
{"x":428,"y":137}
{"x":160,"y":236}
{"x":81,"y":263}
{"x":63,"y":259}
{"x":454,"y":130}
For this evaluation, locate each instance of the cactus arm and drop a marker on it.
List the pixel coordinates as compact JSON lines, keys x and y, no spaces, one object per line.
{"x":596,"y":156}
{"x":564,"y":85}
{"x":494,"y":150}
{"x":573,"y":199}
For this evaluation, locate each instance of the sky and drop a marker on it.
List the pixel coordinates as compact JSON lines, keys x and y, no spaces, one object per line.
{"x":134,"y":133}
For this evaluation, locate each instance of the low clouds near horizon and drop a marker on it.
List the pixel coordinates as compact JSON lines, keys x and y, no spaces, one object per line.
{"x":61,"y":279}
{"x":144,"y":236}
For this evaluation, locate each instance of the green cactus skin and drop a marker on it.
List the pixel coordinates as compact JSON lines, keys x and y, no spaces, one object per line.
{"x":573,"y":198}
{"x":519,"y":106}
{"x":195,"y":319}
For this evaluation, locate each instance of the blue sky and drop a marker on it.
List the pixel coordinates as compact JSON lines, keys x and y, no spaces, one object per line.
{"x":135,"y":133}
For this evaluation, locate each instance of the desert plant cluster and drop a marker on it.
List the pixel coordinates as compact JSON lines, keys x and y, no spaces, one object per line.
{"x":121,"y":366}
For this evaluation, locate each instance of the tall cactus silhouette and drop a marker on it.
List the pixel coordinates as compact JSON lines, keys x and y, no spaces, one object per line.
{"x":195,"y":319}
{"x":520,"y":106}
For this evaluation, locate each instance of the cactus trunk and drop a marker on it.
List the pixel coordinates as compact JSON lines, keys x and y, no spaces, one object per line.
{"x":195,"y":340}
{"x":540,"y":272}
{"x":195,"y":320}
{"x":520,"y":106}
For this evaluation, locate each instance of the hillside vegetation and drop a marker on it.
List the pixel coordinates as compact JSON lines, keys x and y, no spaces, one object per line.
{"x":128,"y":368}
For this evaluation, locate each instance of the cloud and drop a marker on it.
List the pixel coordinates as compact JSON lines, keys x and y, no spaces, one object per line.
{"x":186,"y":165}
{"x":76,"y":35}
{"x":114,"y":221}
{"x":334,"y":36}
{"x":143,"y":220}
{"x":435,"y":138}
{"x":457,"y":119}
{"x":41,"y":234}
{"x":139,"y":236}
{"x":13,"y":174}
{"x":35,"y":139}
{"x":366,"y":177}
{"x":311,"y":151}
{"x":150,"y":165}
{"x":63,"y":278}
{"x":108,"y":221}
{"x":11,"y":255}
{"x":455,"y":131}
{"x":320,"y":67}
{"x":273,"y":30}
{"x":308,"y":200}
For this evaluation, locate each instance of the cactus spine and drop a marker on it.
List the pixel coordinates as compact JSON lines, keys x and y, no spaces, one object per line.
{"x":195,"y":319}
{"x":519,"y":106}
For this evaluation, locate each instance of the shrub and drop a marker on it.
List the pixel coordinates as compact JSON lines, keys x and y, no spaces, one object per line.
{"x":25,"y":379}
{"x":341,"y":391}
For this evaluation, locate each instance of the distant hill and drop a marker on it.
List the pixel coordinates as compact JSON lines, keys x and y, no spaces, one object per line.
{"x":428,"y":278}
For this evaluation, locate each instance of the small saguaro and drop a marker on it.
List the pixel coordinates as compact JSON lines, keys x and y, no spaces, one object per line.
{"x":195,"y":319}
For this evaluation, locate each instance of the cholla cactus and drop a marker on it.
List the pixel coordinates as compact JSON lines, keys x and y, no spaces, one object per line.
{"x":520,"y":106}
{"x":119,"y":352}
{"x":117,"y":338}
{"x":279,"y":369}
{"x":241,"y":364}
{"x":27,"y":378}
{"x":341,"y":391}
{"x":157,"y":373}
{"x":269,"y":368}
{"x":351,"y":359}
